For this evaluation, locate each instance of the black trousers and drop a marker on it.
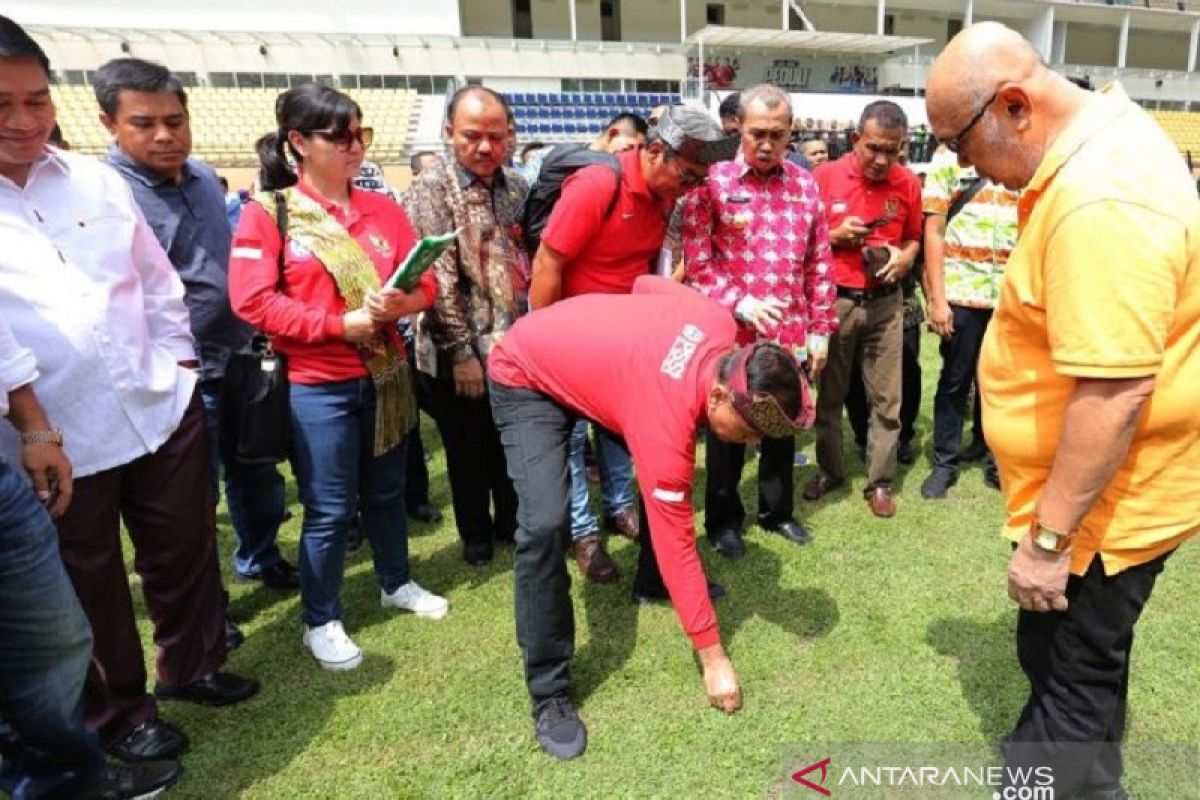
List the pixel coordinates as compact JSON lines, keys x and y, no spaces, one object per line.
{"x":960,"y":360}
{"x":1077,"y":663}
{"x":536,"y":434}
{"x":475,"y":464}
{"x":910,"y":397}
{"x":723,"y":462}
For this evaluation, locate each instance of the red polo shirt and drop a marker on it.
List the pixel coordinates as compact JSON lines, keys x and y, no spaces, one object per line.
{"x":301,"y":310}
{"x":641,"y":365}
{"x":606,"y":254}
{"x":847,"y":193}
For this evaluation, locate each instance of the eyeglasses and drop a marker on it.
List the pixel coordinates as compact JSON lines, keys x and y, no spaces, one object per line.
{"x":955,"y":144}
{"x":345,"y":138}
{"x":687,"y":178}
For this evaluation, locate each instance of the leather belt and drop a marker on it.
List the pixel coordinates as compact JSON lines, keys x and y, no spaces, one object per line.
{"x":860,"y":296}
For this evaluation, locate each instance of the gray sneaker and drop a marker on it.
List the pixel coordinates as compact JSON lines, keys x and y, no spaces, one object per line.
{"x":558,"y":728}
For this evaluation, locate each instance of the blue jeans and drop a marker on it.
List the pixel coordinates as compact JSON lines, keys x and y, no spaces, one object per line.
{"x":616,"y":479}
{"x":253,"y":492}
{"x":333,"y":432}
{"x":45,"y":646}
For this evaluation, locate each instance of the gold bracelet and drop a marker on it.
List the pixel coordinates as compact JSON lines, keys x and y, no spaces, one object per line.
{"x":52,"y":436}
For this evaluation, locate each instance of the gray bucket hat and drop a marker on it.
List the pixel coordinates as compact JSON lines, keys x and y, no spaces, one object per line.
{"x":691,"y":132}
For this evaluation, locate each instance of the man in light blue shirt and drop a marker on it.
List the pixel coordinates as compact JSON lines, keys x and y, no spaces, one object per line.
{"x":145,"y":109}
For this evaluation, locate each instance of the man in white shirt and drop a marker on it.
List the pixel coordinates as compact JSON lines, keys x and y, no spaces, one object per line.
{"x":45,"y":639}
{"x":85,"y":285}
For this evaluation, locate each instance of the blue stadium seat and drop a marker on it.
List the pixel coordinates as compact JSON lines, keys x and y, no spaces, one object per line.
{"x":557,"y":127}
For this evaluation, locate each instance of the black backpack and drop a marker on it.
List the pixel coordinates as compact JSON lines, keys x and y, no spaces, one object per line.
{"x":563,"y":162}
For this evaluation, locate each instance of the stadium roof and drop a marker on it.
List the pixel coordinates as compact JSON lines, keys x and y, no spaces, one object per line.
{"x":848,"y":44}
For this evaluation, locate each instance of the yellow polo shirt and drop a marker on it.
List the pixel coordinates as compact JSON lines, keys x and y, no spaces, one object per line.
{"x":1104,"y":283}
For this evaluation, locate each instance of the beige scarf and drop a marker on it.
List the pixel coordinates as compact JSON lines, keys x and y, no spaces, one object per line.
{"x":312,"y":228}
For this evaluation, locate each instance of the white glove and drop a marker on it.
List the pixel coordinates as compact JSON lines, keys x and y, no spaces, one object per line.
{"x":759,"y":313}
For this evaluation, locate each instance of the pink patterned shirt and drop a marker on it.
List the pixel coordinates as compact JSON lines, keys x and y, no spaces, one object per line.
{"x":744,"y":234}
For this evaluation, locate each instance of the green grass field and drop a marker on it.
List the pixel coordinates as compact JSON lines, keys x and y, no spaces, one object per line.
{"x":879,"y":631}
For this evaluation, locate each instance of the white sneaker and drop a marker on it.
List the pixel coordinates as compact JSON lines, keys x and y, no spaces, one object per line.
{"x":411,"y":597}
{"x":331,"y":647}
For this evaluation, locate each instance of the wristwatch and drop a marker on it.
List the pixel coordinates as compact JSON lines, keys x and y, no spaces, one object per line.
{"x":1050,"y":540}
{"x":52,"y":436}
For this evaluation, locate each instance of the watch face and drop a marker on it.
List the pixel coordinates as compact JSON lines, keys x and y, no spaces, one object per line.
{"x":1046,"y":541}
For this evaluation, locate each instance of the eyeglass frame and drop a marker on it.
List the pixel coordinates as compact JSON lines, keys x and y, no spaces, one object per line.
{"x":955,"y":144}
{"x":343,"y":139}
{"x":687,"y":178}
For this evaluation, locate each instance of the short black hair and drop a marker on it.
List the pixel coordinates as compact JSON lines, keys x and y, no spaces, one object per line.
{"x":639,"y":124}
{"x":472,"y":90}
{"x":16,"y":43}
{"x":133,"y":75}
{"x":884,"y":113}
{"x":731,"y":106}
{"x":771,"y":370}
{"x":414,"y":163}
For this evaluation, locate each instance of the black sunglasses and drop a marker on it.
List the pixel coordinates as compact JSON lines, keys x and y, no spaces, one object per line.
{"x":345,"y":138}
{"x":955,"y":144}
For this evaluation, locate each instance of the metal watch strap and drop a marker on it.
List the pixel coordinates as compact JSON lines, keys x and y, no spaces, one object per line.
{"x":52,"y":436}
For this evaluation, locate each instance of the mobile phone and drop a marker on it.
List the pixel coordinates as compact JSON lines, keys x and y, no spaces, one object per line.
{"x":878,"y":222}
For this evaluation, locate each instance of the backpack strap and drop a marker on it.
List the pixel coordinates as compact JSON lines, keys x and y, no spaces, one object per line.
{"x":964,"y":197}
{"x":616,"y":195}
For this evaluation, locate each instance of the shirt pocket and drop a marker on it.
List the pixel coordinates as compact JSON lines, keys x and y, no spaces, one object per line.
{"x":101,"y":242}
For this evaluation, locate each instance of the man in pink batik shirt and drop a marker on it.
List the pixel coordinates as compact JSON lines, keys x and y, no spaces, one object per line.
{"x":755,"y":240}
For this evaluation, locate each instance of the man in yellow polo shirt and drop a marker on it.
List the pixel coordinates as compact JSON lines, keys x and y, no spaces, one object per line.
{"x":1089,"y":374}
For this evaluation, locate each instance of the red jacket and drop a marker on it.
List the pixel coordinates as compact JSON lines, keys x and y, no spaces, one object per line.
{"x":302,"y":310}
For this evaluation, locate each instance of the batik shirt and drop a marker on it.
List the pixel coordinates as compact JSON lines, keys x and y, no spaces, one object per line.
{"x":980,"y":237}
{"x":482,"y":279}
{"x":746,"y":234}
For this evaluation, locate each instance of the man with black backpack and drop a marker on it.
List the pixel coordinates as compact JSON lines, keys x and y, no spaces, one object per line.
{"x":623,"y":132}
{"x":604,"y":232}
{"x":970,"y":229}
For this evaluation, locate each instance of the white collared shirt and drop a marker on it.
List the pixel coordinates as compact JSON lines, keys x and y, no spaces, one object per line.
{"x":18,"y":367}
{"x":85,"y":285}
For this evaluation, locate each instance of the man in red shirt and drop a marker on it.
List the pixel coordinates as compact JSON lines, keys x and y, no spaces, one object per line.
{"x":872,"y":202}
{"x":651,"y":367}
{"x":605,"y":231}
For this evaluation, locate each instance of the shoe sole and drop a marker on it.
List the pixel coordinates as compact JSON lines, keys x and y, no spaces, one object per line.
{"x":174,"y":698}
{"x":439,"y":614}
{"x":339,"y":666}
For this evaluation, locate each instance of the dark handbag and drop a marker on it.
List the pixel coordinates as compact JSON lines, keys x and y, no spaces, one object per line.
{"x":255,"y":418}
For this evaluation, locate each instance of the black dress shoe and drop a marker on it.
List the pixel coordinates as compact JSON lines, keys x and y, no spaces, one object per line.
{"x":478,"y":554}
{"x":715,"y":591}
{"x":216,"y":689}
{"x":154,"y":739}
{"x":938,"y":484}
{"x":976,"y":450}
{"x":280,"y":575}
{"x":144,"y":779}
{"x":905,"y":453}
{"x":728,"y":543}
{"x":791,"y":530}
{"x":427,"y":513}
{"x":233,"y":636}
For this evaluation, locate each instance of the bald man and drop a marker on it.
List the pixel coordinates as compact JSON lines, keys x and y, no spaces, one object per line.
{"x":1088,"y":375}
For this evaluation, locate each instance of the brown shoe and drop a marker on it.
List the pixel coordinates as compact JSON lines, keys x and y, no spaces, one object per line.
{"x":593,"y":560}
{"x":624,"y":522}
{"x":821,"y":485}
{"x":881,"y":502}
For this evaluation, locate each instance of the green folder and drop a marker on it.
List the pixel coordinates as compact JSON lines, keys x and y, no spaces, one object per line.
{"x":419,"y":259}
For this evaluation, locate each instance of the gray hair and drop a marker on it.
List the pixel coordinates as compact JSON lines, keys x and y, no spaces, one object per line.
{"x":769,"y":95}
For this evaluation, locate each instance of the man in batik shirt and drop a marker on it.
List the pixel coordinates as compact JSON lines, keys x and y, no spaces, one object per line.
{"x":482,"y":281}
{"x":756,"y":241}
{"x":964,"y":264}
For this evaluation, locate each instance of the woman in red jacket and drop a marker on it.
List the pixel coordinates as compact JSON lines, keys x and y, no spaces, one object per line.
{"x":316,"y":293}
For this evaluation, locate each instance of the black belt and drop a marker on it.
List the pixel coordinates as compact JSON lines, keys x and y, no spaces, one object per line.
{"x":860,"y":296}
